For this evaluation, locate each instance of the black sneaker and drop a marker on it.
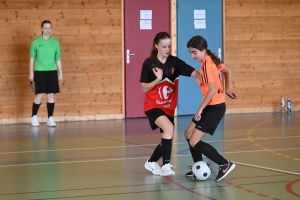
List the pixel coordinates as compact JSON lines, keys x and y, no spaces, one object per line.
{"x":224,"y":170}
{"x":190,"y":173}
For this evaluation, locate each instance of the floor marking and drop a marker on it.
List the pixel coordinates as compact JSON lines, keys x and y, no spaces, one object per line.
{"x":289,"y":186}
{"x":251,"y":140}
{"x":140,"y":145}
{"x":266,"y":168}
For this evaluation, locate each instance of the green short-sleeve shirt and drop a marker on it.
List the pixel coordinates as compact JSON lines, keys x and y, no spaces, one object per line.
{"x":45,"y":53}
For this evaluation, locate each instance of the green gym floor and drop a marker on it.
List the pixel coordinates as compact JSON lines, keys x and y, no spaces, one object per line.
{"x":105,"y":160}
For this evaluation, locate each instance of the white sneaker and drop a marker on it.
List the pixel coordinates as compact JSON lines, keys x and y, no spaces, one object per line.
{"x":34,"y":121}
{"x":51,"y":122}
{"x":167,"y":171}
{"x":153,"y":167}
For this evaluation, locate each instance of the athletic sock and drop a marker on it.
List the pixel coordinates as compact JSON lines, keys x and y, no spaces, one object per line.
{"x":197,"y":156}
{"x":210,"y":152}
{"x":35,"y":108}
{"x":157,"y":154}
{"x":166,"y":145}
{"x":50,"y":109}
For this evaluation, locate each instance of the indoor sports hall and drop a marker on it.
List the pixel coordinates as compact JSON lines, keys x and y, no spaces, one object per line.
{"x":105,"y":160}
{"x":98,"y":139}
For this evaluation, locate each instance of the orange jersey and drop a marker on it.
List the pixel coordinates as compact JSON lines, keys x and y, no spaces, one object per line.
{"x":209,"y":73}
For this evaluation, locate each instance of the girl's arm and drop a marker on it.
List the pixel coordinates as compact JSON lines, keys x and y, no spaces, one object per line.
{"x":196,"y":75}
{"x":227,"y":74}
{"x":60,"y":78}
{"x":148,"y":86}
{"x":31,"y":71}
{"x":210,"y":94}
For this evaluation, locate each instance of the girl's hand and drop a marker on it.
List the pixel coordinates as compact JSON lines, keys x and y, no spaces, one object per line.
{"x":197,"y":80}
{"x":31,"y":77}
{"x":158,"y":72}
{"x":232,"y":95}
{"x":197,"y":115}
{"x":60,"y":78}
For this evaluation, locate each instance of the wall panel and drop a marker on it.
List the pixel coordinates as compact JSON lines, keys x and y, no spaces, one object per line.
{"x":262,"y":47}
{"x":90,"y":34}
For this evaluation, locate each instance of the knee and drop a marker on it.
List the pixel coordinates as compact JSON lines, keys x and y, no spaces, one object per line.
{"x":193,"y":142}
{"x":169,"y":130}
{"x":187,"y":134}
{"x":50,"y":98}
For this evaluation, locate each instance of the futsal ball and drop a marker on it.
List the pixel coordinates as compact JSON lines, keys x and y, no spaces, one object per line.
{"x":201,"y":170}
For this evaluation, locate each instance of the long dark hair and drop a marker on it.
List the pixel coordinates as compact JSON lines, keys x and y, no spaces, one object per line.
{"x":198,"y":42}
{"x":45,"y":22}
{"x":159,"y":36}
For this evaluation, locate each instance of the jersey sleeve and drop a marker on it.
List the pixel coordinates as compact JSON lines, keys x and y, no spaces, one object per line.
{"x":146,"y":73}
{"x":221,"y":67}
{"x":33,"y":50}
{"x":57,"y":54}
{"x":208,"y":73}
{"x":184,"y":69}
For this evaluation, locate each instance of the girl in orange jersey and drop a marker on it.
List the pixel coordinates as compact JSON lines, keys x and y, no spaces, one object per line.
{"x":212,"y":107}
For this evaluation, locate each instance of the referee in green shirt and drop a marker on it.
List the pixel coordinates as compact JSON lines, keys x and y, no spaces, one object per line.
{"x":44,"y":62}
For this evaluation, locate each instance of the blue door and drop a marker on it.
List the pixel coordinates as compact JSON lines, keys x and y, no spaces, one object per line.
{"x":190,"y":95}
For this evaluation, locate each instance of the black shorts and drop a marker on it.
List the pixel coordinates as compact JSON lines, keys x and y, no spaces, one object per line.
{"x":210,"y":118}
{"x":46,"y":82}
{"x":155,"y":113}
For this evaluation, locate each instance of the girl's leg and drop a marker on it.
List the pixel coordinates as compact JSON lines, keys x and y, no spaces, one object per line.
{"x":205,"y":148}
{"x":50,"y":109}
{"x":50,"y":104}
{"x":168,"y":132}
{"x":188,"y":132}
{"x":35,"y":108}
{"x":225,"y":166}
{"x":157,"y":154}
{"x":195,"y":155}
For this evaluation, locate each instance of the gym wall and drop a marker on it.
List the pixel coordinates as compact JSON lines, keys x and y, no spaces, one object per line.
{"x":90,"y":34}
{"x":261,"y":46}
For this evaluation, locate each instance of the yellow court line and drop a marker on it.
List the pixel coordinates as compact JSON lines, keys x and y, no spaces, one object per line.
{"x":251,"y":140}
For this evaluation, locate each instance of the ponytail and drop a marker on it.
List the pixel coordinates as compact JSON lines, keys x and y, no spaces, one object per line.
{"x":214,"y":58}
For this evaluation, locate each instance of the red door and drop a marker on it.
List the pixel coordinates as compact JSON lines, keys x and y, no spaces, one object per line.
{"x":138,"y":44}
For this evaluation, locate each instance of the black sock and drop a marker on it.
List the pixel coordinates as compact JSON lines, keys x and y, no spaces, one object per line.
{"x":157,"y":154}
{"x":166,"y":145}
{"x":196,"y":156}
{"x":50,"y":109}
{"x":210,"y":152}
{"x":35,"y":108}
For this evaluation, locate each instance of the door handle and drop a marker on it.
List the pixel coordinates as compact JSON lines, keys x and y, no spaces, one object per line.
{"x":219,"y":53}
{"x":128,"y":54}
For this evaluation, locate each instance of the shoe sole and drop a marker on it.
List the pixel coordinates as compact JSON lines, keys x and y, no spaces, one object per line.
{"x":189,"y":175}
{"x":169,"y":174}
{"x":150,"y":169}
{"x":34,"y":125}
{"x":229,"y":170}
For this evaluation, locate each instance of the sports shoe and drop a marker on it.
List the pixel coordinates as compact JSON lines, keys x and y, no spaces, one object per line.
{"x":153,"y":167}
{"x":51,"y":122}
{"x":190,"y":173}
{"x":167,"y":171}
{"x":224,"y":170}
{"x":34,"y":121}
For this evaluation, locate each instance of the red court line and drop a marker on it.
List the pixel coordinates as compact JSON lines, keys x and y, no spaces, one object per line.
{"x":289,"y":186}
{"x":187,"y":189}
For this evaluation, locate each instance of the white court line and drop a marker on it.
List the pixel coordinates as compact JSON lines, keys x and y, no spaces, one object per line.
{"x":137,"y":158}
{"x":139,"y":145}
{"x":266,"y":168}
